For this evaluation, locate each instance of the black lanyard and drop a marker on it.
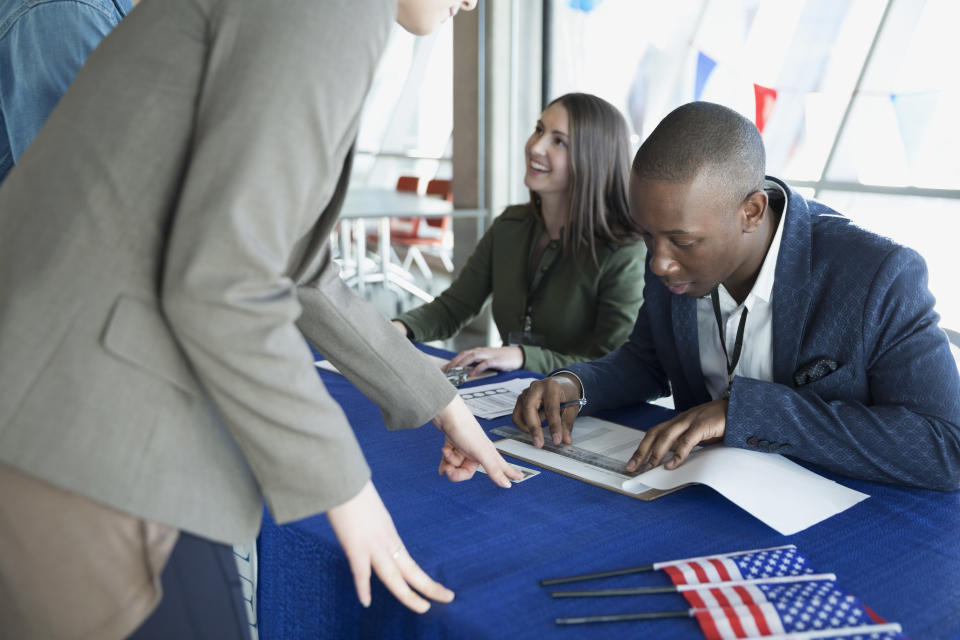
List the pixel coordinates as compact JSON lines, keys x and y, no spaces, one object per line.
{"x":532,"y":293}
{"x":738,"y":345}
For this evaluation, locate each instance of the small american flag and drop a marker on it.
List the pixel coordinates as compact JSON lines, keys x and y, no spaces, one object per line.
{"x":764,"y":610}
{"x":770,"y":593}
{"x":754,"y":594}
{"x":762,"y":563}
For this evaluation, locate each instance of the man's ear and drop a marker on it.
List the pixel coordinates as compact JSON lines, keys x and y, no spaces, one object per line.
{"x":752,"y":210}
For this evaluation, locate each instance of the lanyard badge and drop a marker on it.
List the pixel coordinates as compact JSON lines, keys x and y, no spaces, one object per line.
{"x":737,"y":345}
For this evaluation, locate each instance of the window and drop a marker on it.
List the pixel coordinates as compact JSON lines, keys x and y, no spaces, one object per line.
{"x":856,"y":99}
{"x":408,"y":116}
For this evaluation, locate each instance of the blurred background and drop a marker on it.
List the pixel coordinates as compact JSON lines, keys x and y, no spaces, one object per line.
{"x":856,"y":101}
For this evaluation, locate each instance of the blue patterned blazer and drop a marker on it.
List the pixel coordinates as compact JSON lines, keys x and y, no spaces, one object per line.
{"x":890,"y":409}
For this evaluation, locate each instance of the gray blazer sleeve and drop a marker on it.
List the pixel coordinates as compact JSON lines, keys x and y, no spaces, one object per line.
{"x":408,"y":388}
{"x":275,"y":118}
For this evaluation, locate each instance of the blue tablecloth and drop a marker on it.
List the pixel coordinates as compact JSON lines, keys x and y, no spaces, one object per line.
{"x":898,"y":551}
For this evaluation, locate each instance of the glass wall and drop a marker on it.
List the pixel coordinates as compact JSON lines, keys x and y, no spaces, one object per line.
{"x":408,"y":116}
{"x":856,"y":99}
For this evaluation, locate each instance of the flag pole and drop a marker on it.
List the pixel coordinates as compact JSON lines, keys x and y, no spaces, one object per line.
{"x":703,"y":586}
{"x":655,"y":566}
{"x":626,"y":617}
{"x":599,"y":574}
{"x":689,"y":613}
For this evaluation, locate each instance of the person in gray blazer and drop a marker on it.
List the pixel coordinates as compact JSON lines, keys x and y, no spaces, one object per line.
{"x":163,"y":265}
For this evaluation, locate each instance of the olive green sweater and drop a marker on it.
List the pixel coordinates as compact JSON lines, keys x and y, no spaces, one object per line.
{"x":582,"y":311}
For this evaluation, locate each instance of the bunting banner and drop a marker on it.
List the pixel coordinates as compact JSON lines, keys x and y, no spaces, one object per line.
{"x":584,"y":5}
{"x":766,"y":98}
{"x":705,"y":66}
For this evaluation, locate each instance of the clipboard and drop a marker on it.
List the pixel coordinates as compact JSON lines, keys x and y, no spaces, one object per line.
{"x":595,"y":458}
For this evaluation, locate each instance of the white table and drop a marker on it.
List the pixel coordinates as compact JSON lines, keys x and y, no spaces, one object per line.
{"x":364,"y":203}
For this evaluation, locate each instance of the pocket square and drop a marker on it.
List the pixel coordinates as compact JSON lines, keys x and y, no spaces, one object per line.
{"x":813,"y":371}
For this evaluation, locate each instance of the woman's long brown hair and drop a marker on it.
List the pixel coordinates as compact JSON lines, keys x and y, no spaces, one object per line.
{"x":599,"y":166}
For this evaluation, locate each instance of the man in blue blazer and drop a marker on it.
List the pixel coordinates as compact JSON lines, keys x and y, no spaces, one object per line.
{"x":777,"y":324}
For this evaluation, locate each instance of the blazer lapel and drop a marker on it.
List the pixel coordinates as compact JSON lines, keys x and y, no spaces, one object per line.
{"x":791,"y":293}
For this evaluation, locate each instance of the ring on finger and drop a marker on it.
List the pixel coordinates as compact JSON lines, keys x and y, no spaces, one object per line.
{"x":396,"y":553}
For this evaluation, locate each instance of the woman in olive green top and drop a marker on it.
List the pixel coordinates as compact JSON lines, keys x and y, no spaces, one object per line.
{"x":566,"y":269}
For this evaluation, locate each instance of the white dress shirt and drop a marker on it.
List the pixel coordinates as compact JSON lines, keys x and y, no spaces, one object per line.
{"x":756,"y":356}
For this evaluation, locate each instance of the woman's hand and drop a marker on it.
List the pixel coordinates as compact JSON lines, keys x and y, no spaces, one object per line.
{"x":369,"y":539}
{"x":467,"y":445}
{"x":482,"y":358}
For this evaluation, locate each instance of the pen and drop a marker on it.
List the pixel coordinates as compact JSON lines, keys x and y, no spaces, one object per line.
{"x":564,"y":405}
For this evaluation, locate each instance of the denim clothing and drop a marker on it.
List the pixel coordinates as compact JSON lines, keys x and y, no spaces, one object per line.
{"x":43,"y":43}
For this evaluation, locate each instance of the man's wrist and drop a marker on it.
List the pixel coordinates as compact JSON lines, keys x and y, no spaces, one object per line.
{"x":570,"y":375}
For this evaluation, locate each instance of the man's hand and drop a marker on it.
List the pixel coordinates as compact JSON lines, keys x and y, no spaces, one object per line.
{"x":369,"y":539}
{"x":482,"y":358}
{"x":705,"y":424}
{"x":541,"y":401}
{"x":467,"y":445}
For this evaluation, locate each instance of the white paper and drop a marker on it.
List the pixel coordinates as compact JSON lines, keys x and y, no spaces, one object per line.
{"x":494,"y":400}
{"x":781,"y":493}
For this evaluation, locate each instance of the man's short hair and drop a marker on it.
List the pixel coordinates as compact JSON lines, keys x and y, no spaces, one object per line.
{"x":702,"y":136}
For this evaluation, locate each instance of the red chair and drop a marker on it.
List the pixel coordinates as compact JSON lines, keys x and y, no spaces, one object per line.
{"x":405,"y":226}
{"x":442,"y":188}
{"x":408,"y":183}
{"x":431,"y":235}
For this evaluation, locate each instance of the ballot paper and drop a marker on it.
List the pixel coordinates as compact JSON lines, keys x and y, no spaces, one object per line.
{"x":779,"y":492}
{"x":494,"y":400}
